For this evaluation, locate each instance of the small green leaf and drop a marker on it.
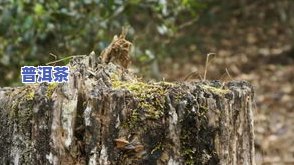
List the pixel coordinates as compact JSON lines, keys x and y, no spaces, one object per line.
{"x":39,"y":9}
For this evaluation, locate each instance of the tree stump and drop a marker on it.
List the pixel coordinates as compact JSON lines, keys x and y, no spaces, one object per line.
{"x":105,"y":115}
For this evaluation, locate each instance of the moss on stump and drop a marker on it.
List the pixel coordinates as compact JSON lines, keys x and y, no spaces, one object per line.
{"x":105,"y":115}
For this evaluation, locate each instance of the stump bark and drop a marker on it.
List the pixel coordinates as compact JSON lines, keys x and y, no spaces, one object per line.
{"x":105,"y":115}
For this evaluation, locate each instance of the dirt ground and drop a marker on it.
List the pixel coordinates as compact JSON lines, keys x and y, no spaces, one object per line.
{"x":254,"y":43}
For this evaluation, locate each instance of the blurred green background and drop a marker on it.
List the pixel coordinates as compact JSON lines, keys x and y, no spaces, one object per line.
{"x":253,"y":40}
{"x":32,"y":29}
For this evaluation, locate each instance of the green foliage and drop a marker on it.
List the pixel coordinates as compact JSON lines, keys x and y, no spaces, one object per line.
{"x":31,"y":29}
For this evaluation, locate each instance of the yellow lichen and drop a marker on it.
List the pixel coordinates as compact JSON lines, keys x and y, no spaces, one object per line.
{"x":51,"y":88}
{"x":215,"y":90}
{"x":30,"y":94}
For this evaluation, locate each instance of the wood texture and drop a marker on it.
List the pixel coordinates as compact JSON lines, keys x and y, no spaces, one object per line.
{"x":105,"y":115}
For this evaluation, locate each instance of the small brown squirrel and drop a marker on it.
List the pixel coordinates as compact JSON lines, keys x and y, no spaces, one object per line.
{"x":118,"y":51}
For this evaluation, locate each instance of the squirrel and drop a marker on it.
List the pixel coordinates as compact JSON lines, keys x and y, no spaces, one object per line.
{"x":118,"y":51}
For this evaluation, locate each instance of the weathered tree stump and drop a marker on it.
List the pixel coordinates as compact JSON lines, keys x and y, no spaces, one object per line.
{"x":104,"y":115}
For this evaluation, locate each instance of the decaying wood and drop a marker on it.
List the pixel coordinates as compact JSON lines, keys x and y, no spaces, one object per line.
{"x":106,"y":116}
{"x":118,"y":51}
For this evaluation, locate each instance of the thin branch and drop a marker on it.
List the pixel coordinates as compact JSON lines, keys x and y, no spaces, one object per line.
{"x":206,"y":65}
{"x":227,"y":71}
{"x":65,"y":58}
{"x":188,"y":23}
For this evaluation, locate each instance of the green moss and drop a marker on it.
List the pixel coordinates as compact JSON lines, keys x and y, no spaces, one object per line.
{"x":195,"y":143}
{"x":21,"y":114}
{"x":150,"y":98}
{"x":158,"y":147}
{"x":189,"y":154}
{"x":215,"y":90}
{"x":132,"y":123}
{"x":51,"y":88}
{"x":12,"y":111}
{"x":30,"y":94}
{"x":21,"y":109}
